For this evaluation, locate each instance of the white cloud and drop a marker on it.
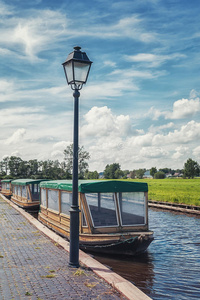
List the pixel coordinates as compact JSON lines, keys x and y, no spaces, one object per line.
{"x":130,"y":27}
{"x":180,"y":152}
{"x":62,"y":145}
{"x":6,"y":85}
{"x":166,"y":126}
{"x":33,"y":34}
{"x":110,"y":63}
{"x":159,"y":129}
{"x":187,"y":133}
{"x":110,"y":138}
{"x":108,"y":89}
{"x":184,"y":108}
{"x":130,"y":73}
{"x":21,"y":116}
{"x":5,"y":9}
{"x":153,"y":152}
{"x":16,"y":137}
{"x":154,"y":113}
{"x":193,"y":94}
{"x":17,"y":90}
{"x":16,"y":153}
{"x":101,"y":122}
{"x":37,"y":33}
{"x":41,"y":31}
{"x":196,"y":152}
{"x":57,"y":155}
{"x":153,"y":60}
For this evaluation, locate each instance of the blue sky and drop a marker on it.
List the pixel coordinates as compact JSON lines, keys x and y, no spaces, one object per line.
{"x":140,"y":106}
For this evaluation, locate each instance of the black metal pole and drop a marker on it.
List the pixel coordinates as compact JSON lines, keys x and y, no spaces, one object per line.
{"x":74,"y":211}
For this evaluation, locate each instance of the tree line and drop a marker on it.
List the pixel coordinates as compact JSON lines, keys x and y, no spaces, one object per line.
{"x":15,"y":167}
{"x":190,"y":169}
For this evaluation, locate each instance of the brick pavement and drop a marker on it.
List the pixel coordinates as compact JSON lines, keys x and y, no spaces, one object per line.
{"x":34,"y":267}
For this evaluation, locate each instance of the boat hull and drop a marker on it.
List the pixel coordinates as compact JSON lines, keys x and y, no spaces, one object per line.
{"x":7,"y":194}
{"x":130,"y":243}
{"x":132,"y":246}
{"x":26,"y":205}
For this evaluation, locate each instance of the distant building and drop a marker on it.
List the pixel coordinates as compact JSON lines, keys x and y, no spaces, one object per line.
{"x":101,"y":175}
{"x":168,"y":175}
{"x":147,"y":174}
{"x":178,"y":174}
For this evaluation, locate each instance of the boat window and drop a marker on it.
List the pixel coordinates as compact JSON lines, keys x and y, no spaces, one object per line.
{"x":8,"y":186}
{"x":66,"y":202}
{"x":28,"y":194}
{"x":132,"y":208}
{"x":18,"y":190}
{"x":53,"y":200}
{"x":43,"y":197}
{"x":34,"y":188}
{"x":84,"y":222}
{"x":3,"y":185}
{"x":24,"y":191}
{"x":15,"y":190}
{"x":102,"y":208}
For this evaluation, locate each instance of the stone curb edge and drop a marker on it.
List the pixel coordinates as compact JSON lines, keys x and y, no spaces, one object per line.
{"x":119,"y":283}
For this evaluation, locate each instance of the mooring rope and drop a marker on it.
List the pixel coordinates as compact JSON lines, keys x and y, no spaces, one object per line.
{"x":129,"y":241}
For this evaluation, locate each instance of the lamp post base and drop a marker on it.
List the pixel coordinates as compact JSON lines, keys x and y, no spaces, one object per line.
{"x":74,"y":237}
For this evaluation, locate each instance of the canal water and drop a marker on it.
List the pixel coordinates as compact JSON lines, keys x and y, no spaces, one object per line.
{"x":170,"y":269}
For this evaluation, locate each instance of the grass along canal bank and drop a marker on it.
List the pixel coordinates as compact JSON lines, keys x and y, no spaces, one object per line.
{"x":174,"y":190}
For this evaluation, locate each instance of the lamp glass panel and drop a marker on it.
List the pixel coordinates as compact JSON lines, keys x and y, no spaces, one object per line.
{"x":69,"y":71}
{"x":81,"y":71}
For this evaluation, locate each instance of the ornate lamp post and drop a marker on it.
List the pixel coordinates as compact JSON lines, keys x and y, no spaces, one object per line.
{"x":76,"y":67}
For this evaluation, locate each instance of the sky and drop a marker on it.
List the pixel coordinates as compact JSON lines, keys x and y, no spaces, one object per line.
{"x":140,"y":106}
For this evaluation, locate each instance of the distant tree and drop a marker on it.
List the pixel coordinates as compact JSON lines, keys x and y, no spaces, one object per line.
{"x":113,"y":171}
{"x":153,"y":170}
{"x":179,"y":171}
{"x":2,"y":172}
{"x":33,"y":168}
{"x":133,"y":174}
{"x":159,"y":175}
{"x":91,"y":175}
{"x":14,"y":166}
{"x":191,"y":168}
{"x":23,"y":169}
{"x":83,"y":156}
{"x":52,"y":170}
{"x":126,"y":172}
{"x":5,"y":164}
{"x":140,"y":173}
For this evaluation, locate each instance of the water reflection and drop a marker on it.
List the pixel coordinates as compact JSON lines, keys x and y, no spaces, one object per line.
{"x":170,"y":269}
{"x":138,"y":270}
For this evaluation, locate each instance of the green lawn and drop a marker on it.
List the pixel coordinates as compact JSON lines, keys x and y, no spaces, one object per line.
{"x":176,"y":190}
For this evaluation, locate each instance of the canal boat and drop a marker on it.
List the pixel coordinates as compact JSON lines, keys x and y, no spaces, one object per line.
{"x":6,"y":187}
{"x":113,"y":214}
{"x":26,"y":193}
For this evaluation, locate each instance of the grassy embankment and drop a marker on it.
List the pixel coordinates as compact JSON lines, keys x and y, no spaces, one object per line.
{"x":175,"y":190}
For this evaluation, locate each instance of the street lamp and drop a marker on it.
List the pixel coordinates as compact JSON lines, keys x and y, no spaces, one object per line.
{"x":76,"y":67}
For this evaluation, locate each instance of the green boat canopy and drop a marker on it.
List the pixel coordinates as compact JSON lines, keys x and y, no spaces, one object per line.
{"x":6,"y":180}
{"x":97,"y":186}
{"x":26,"y":181}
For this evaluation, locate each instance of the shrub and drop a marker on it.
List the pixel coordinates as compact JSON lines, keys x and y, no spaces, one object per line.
{"x":159,"y":175}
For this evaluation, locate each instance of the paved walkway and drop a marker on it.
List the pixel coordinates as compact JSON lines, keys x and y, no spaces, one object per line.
{"x":33,"y":266}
